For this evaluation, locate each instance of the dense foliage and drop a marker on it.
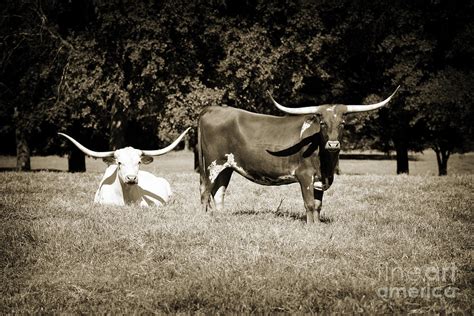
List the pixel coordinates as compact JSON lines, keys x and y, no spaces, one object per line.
{"x":115,"y":73}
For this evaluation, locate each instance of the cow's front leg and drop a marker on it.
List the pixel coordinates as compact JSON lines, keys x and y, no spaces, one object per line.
{"x":307,"y":189}
{"x":318,"y":201}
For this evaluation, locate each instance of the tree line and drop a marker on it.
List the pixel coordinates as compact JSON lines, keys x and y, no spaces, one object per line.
{"x":122,"y":72}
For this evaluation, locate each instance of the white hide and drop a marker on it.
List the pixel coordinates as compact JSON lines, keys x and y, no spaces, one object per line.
{"x":149,"y":191}
{"x":304,"y":127}
{"x":215,"y":169}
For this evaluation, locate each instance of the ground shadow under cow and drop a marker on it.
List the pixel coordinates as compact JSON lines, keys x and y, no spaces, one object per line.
{"x":279,"y":212}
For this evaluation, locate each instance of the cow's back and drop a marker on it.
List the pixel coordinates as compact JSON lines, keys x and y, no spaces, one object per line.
{"x":229,"y":128}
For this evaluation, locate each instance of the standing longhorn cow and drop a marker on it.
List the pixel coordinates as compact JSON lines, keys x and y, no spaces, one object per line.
{"x":123,"y":182}
{"x":272,"y":150}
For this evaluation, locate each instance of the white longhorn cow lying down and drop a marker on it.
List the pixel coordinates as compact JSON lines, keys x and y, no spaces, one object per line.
{"x":123,"y":182}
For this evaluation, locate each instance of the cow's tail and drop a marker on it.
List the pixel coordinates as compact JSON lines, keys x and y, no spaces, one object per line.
{"x":202,"y":167}
{"x":204,"y":180}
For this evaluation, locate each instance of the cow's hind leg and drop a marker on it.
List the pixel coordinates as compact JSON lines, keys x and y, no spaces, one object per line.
{"x":205,"y":190}
{"x":220,"y":186}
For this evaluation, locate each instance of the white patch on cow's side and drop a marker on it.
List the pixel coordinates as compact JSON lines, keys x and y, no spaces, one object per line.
{"x":286,"y":178}
{"x":304,"y":127}
{"x":215,"y":169}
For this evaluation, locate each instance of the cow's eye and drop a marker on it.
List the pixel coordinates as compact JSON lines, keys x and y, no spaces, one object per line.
{"x":119,"y":163}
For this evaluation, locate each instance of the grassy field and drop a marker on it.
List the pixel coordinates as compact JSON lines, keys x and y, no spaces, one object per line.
{"x":391,"y":244}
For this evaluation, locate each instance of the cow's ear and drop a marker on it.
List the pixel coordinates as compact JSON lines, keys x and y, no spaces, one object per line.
{"x":146,"y":159}
{"x":310,"y":127}
{"x":109,"y":160}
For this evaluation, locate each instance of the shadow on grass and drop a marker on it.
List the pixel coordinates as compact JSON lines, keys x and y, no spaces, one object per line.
{"x":325,"y":219}
{"x":277,"y":213}
{"x":281,"y":213}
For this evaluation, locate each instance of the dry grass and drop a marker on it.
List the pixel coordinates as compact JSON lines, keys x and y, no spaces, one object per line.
{"x":61,"y":253}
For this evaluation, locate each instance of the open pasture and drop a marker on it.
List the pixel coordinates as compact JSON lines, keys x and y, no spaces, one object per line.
{"x":390,"y":244}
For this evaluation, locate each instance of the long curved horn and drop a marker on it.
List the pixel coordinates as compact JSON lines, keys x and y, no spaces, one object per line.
{"x":169,"y":148}
{"x":95,"y":154}
{"x":369,"y":107}
{"x":305,"y":110}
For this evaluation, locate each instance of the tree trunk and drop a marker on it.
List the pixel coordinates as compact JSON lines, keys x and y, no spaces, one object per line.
{"x":442,"y":157}
{"x":186,"y":144}
{"x":76,"y":161}
{"x":117,"y":129}
{"x":23,"y":162}
{"x":402,"y":158}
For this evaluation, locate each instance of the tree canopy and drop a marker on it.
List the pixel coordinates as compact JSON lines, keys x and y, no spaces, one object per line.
{"x":119,"y":73}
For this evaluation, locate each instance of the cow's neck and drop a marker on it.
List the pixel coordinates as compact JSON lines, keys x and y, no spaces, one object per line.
{"x":329,"y":161}
{"x":128,"y":191}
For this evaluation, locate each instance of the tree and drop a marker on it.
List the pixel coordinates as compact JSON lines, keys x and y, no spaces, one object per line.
{"x":117,"y":73}
{"x":438,"y":76}
{"x":130,"y":60}
{"x":414,"y":44}
{"x":446,"y":112}
{"x":182,"y":111}
{"x":284,"y":49}
{"x":31,"y":59}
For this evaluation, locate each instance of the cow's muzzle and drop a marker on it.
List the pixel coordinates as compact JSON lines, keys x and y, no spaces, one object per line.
{"x":130,"y":179}
{"x":333,"y":145}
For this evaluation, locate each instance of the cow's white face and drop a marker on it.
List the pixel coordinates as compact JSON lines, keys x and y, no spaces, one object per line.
{"x":128,"y":162}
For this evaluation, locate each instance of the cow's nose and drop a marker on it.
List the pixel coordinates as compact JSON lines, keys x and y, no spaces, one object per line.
{"x":333,"y":145}
{"x":131,"y":179}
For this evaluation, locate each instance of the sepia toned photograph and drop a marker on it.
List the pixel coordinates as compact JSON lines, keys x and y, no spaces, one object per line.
{"x":227,"y":157}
